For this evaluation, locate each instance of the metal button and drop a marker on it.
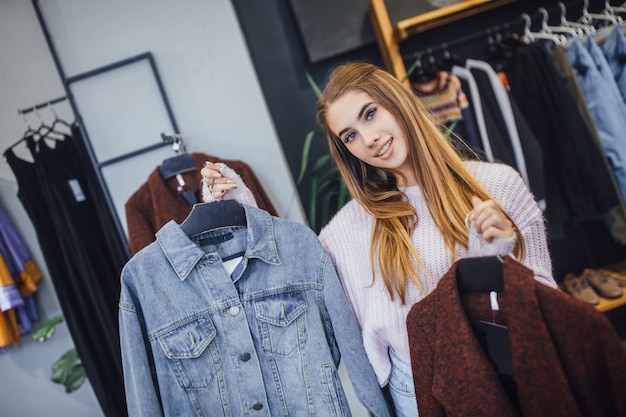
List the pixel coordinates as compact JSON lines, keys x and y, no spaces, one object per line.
{"x":233,"y":311}
{"x":257,"y":406}
{"x":245,"y":357}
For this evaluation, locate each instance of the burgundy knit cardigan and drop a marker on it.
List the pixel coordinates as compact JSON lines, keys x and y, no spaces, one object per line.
{"x":157,"y":201}
{"x":568,"y":359}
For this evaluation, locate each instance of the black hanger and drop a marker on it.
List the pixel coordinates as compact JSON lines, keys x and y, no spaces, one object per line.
{"x":421,"y":72}
{"x":449,"y":60}
{"x":205,"y":217}
{"x":182,"y":162}
{"x":177,"y":165}
{"x":480,"y":274}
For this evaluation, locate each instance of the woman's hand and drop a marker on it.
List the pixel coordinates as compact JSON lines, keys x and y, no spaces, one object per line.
{"x":218,"y":184}
{"x":489,"y":220}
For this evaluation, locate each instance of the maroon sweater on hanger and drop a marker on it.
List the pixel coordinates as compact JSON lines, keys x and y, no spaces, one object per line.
{"x":157,"y":201}
{"x":568,"y":359}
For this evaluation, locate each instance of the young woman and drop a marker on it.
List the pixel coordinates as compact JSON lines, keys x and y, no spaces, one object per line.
{"x":416,"y":208}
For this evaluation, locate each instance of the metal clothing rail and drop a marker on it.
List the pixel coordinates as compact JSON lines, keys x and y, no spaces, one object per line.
{"x":41,"y":105}
{"x":490,"y":32}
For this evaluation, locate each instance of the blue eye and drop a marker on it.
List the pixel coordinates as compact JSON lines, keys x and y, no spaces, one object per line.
{"x":370,"y":114}
{"x":349,"y":137}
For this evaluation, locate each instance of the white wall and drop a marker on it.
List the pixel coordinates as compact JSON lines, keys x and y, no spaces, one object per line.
{"x":213,"y":92}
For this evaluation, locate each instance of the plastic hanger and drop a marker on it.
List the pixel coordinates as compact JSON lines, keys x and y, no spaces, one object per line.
{"x":589,"y":18}
{"x":483,"y":274}
{"x":182,"y":162}
{"x":530,"y":37}
{"x":585,"y":29}
{"x":207,"y":217}
{"x":545,"y":28}
{"x":45,"y":130}
{"x":421,"y":73}
{"x":613,"y":10}
{"x":448,"y":60}
{"x":213,"y":217}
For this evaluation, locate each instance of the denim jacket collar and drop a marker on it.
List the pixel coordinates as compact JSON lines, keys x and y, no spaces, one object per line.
{"x":183,"y":254}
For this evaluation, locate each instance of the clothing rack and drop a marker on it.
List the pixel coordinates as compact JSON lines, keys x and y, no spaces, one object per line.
{"x":486,"y":34}
{"x":389,"y":35}
{"x":41,"y":105}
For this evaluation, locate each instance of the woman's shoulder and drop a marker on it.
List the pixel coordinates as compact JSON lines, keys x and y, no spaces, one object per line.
{"x":352,"y":216}
{"x":483,"y":168}
{"x":494,"y":175}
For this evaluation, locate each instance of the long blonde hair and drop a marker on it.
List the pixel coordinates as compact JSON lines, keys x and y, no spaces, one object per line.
{"x":446,"y":184}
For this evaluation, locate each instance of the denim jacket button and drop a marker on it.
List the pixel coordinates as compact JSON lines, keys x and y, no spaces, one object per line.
{"x":233,"y":311}
{"x":257,"y":406}
{"x":245,"y":357}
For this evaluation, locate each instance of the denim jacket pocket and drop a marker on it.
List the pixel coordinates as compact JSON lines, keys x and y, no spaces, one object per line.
{"x":194,"y":365}
{"x":281,"y":325}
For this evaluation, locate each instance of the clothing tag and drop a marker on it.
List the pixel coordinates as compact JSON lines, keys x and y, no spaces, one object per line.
{"x":497,"y":345}
{"x":493,"y":299}
{"x":77,"y":190}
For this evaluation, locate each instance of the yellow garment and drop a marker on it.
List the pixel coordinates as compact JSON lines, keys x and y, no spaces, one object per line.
{"x":5,"y":276}
{"x":9,"y":329}
{"x":26,"y":284}
{"x":29,"y":277}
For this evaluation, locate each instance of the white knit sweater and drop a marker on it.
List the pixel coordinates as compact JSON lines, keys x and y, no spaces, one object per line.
{"x":347,"y":238}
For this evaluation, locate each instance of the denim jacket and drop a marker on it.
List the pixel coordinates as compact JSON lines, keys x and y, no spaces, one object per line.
{"x":265,"y":340}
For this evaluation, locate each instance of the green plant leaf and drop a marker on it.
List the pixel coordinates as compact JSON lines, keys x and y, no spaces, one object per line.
{"x":319,"y":164}
{"x":46,"y":330}
{"x":68,"y":371}
{"x":416,"y":63}
{"x":313,"y":204}
{"x":314,"y":86}
{"x":305,"y":152}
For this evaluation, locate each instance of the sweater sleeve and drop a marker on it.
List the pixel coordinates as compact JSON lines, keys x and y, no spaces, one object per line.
{"x":241,"y":194}
{"x":509,"y":190}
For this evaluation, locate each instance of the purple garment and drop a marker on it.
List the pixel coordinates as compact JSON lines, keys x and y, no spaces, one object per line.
{"x":16,"y":254}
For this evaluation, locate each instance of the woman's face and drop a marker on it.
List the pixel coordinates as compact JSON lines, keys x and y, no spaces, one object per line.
{"x":370,"y":133}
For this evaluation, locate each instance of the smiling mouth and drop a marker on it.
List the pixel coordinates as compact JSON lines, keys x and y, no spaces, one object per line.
{"x":385,"y":148}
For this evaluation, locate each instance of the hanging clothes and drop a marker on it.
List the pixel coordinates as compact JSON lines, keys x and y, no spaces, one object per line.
{"x":581,"y":188}
{"x":262,"y":336}
{"x":159,"y":200}
{"x":560,"y":348}
{"x":614,"y":49}
{"x":615,"y":219}
{"x":469,"y":87}
{"x":60,"y":194}
{"x":527,"y":153}
{"x":605,"y":103}
{"x":448,"y":104}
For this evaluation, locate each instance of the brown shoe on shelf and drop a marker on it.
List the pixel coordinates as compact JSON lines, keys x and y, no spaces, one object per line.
{"x":618,"y":277}
{"x":604,"y":285}
{"x":579,"y":287}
